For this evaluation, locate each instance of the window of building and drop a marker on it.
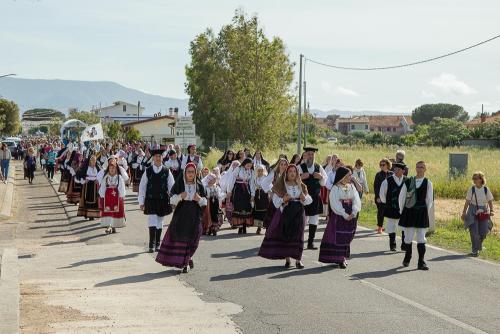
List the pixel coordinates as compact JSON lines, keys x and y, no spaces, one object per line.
{"x":124,"y":108}
{"x":352,"y":127}
{"x":366,"y":126}
{"x":393,"y":129}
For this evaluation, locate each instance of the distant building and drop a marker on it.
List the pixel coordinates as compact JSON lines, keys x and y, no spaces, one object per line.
{"x":388,"y":124}
{"x":185,"y":132}
{"x":483,"y":119}
{"x":160,"y":129}
{"x":122,"y":112}
{"x":352,"y":124}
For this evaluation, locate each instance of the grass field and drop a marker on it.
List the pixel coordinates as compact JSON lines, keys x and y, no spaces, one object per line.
{"x":485,"y":160}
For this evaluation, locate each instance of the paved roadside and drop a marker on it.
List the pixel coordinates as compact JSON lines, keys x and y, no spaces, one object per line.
{"x":71,"y":286}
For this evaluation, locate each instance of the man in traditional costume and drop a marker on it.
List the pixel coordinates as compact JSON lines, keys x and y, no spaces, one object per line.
{"x":173,"y":163}
{"x":389,"y":195}
{"x":416,"y":199}
{"x":154,"y":197}
{"x":314,"y":177}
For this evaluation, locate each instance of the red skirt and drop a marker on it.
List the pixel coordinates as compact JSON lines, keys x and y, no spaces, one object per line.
{"x":324,"y":195}
{"x":112,"y":204}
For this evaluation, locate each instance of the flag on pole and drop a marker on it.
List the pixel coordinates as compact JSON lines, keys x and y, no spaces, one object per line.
{"x":92,"y":132}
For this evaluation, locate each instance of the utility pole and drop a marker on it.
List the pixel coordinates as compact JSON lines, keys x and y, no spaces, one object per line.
{"x":305,"y":112}
{"x":299,"y":134}
{"x":138,"y":109}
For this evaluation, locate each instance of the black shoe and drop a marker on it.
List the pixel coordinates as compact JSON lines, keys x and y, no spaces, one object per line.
{"x":406,"y":264}
{"x":113,"y":230}
{"x":299,"y":265}
{"x":191,"y":264}
{"x":393,"y":248}
{"x":311,"y":247}
{"x":151,"y":250}
{"x":240,"y":230}
{"x":422,"y":266}
{"x":245,"y":229}
{"x":287,"y":264}
{"x":185,"y":270}
{"x":473,"y":254}
{"x":403,"y":246}
{"x":343,"y":265}
{"x":214,"y":234}
{"x":91,"y":218}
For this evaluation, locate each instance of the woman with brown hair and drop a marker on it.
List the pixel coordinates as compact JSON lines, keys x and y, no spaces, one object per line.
{"x":285,"y":236}
{"x":477,"y":213}
{"x":384,"y":173}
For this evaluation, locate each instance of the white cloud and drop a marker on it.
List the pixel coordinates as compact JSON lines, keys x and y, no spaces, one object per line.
{"x":450,"y":84}
{"x":345,"y":91}
{"x":326,"y":86}
{"x":427,"y":94}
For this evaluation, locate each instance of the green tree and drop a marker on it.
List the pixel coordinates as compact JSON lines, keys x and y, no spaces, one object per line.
{"x":132,"y":135}
{"x":238,"y":84}
{"x":113,"y":130}
{"x":85,"y":116}
{"x":447,"y":132}
{"x":9,"y":117}
{"x":489,"y":130}
{"x":427,"y":112}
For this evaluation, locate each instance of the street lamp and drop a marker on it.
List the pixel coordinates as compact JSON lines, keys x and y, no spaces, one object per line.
{"x":7,"y":75}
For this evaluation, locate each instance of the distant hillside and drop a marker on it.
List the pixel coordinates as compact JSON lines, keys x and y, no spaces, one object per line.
{"x":64,"y":94}
{"x":347,"y":113}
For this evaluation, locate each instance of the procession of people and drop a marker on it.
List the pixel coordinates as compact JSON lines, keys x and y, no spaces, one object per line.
{"x":285,"y":200}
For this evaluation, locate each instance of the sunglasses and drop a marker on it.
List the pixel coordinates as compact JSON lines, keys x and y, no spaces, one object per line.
{"x":382,"y":165}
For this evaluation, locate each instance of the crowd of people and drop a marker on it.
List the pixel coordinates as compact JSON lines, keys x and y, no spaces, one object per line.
{"x":248,"y":192}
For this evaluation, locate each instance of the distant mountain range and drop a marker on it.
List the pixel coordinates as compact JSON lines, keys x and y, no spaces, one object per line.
{"x":65,"y":94}
{"x":85,"y":95}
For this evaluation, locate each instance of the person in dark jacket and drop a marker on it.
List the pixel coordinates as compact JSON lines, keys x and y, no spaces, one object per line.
{"x":384,"y":173}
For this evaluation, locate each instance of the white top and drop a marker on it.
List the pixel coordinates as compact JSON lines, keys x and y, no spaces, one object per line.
{"x":429,"y":199}
{"x":294,"y":192}
{"x":360,"y":176}
{"x":122,"y":162}
{"x":239,"y":173}
{"x":215,"y":190}
{"x":138,"y":163}
{"x":123,"y":173}
{"x":330,"y":179}
{"x":192,"y":157}
{"x":91,"y":175}
{"x":112,"y":181}
{"x":310,"y":170}
{"x":339,"y":193}
{"x":482,"y":198}
{"x":144,"y":183}
{"x":172,"y":164}
{"x":190,"y":189}
{"x":384,"y":185}
{"x":259,"y":182}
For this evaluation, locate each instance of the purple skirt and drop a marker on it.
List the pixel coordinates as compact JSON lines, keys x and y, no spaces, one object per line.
{"x":336,"y":243}
{"x":271,"y":210}
{"x":276,"y":247}
{"x":177,"y":253}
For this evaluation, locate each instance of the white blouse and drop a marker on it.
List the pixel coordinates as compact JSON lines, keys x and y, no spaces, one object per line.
{"x":190,"y":189}
{"x":239,"y":173}
{"x":112,"y":181}
{"x":215,"y":190}
{"x":294,"y":192}
{"x":91,"y":175}
{"x":340,"y":193}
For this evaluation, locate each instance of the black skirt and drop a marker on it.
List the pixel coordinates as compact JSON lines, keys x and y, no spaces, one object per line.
{"x":159,"y":207}
{"x":417,"y":217}
{"x":261,"y":201}
{"x":186,"y":221}
{"x":241,"y":201}
{"x":316,"y":207}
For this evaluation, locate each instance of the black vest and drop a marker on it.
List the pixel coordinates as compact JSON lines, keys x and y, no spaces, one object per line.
{"x":313,"y":185}
{"x":421,"y":194}
{"x":157,"y":187}
{"x":392,"y":198}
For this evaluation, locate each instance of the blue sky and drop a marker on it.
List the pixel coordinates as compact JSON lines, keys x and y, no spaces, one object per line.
{"x":143,"y":44}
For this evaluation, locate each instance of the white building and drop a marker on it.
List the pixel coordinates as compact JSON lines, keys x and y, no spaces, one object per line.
{"x":123,"y":112}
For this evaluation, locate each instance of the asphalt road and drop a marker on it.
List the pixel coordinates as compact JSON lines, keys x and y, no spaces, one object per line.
{"x":375,"y":294}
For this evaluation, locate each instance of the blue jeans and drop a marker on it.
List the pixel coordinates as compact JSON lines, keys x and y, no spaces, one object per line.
{"x":5,"y":168}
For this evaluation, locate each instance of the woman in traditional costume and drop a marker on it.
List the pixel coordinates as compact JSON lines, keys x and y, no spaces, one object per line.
{"x":239,"y":193}
{"x":260,"y":198}
{"x":285,"y":236}
{"x":89,"y":199}
{"x":225,"y":162}
{"x":138,"y":165}
{"x":225,"y":179}
{"x":271,"y":179}
{"x":74,"y":188}
{"x":212,"y":216}
{"x":112,"y":192}
{"x":258,"y":159}
{"x":183,"y":234}
{"x":339,"y":233}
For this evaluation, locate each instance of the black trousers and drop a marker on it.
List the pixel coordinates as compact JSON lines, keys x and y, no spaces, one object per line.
{"x":50,"y":171}
{"x":380,"y":214}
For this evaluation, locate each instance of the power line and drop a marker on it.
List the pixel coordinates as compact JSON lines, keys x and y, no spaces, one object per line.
{"x":402,"y":65}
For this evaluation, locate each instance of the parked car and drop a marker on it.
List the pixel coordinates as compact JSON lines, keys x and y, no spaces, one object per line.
{"x":333,"y":139}
{"x":12,"y":147}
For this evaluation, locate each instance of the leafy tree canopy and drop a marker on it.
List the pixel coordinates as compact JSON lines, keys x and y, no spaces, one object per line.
{"x":427,"y":112}
{"x":40,"y":114}
{"x":9,"y":117}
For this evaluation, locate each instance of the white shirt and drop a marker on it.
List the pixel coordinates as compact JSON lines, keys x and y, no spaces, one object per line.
{"x":143,"y":185}
{"x":330,"y":179}
{"x":482,"y":198}
{"x":383,"y":187}
{"x":91,"y":175}
{"x":215,"y":190}
{"x":339,"y":193}
{"x":172,"y":164}
{"x":429,"y":199}
{"x":184,"y":160}
{"x":360,"y":176}
{"x":190,"y":189}
{"x":239,"y":173}
{"x":294,"y":192}
{"x":112,"y":181}
{"x":138,"y":163}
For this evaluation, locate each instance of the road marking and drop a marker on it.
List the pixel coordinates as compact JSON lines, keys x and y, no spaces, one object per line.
{"x":421,"y":307}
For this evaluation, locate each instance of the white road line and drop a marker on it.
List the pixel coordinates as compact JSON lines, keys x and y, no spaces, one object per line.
{"x":421,"y":307}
